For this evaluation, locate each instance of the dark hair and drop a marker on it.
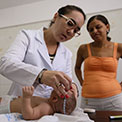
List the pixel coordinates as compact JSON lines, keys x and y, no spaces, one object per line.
{"x":103,"y":19}
{"x":69,"y":8}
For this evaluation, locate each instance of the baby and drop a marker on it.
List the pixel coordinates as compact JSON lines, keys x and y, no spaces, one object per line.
{"x":34,"y":107}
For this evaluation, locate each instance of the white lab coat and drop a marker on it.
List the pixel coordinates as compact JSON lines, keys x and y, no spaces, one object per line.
{"x":27,"y":56}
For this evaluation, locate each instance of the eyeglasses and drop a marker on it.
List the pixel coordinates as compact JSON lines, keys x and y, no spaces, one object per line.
{"x":71,"y":23}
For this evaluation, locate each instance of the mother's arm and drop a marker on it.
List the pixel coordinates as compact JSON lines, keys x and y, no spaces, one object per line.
{"x":79,"y":61}
{"x":119,"y":52}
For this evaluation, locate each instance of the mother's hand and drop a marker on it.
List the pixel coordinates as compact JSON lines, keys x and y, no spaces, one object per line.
{"x":58,"y":80}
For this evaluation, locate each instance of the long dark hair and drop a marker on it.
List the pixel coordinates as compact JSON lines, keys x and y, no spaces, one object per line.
{"x":69,"y":8}
{"x":103,"y":19}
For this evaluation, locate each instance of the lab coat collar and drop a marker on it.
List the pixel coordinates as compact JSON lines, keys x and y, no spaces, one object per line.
{"x":40,"y":35}
{"x":40,"y":38}
{"x":43,"y":51}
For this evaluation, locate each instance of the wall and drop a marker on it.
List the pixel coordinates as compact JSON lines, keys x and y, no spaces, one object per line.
{"x":43,"y":10}
{"x":8,"y":34}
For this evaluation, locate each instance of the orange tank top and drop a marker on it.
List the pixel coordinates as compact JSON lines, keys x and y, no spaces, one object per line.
{"x":100,"y":76}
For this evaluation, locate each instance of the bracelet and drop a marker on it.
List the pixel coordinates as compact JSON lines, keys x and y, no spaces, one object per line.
{"x":40,"y":76}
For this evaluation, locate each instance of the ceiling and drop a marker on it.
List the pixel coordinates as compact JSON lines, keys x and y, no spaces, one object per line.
{"x":12,"y":3}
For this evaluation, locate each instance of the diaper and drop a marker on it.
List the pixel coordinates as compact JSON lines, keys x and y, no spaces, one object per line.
{"x":5,"y":104}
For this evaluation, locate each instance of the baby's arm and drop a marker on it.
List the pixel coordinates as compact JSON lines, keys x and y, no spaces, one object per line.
{"x":29,"y":112}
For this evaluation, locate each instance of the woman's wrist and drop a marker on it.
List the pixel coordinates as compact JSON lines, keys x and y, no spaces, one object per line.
{"x":40,"y":76}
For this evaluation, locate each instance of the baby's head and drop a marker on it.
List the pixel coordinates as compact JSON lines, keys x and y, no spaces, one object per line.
{"x":58,"y":103}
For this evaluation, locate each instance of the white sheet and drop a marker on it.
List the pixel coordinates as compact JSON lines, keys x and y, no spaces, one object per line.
{"x":77,"y":116}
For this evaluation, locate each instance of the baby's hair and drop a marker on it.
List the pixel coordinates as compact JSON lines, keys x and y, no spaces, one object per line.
{"x":70,"y":104}
{"x":59,"y":104}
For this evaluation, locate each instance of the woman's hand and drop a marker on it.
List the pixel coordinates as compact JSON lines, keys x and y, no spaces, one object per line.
{"x":58,"y":80}
{"x":75,"y":90}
